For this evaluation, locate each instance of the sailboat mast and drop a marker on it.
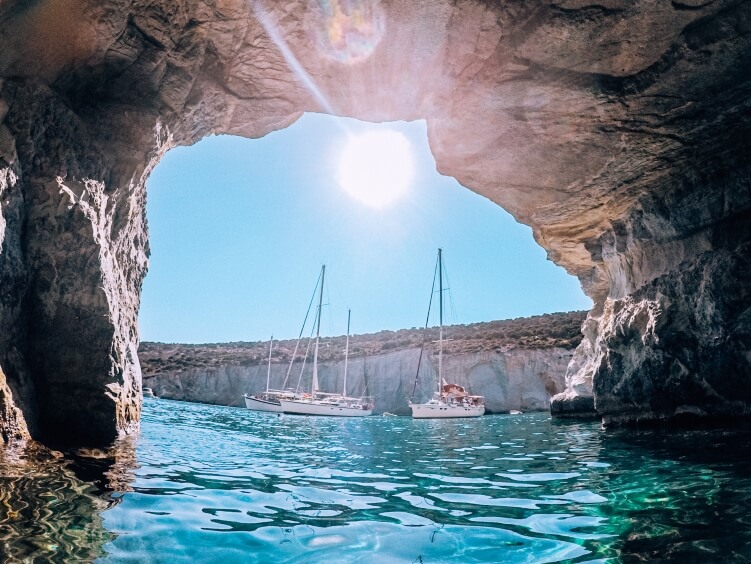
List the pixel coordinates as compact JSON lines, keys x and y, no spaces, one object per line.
{"x":346,"y":355}
{"x":440,"y":318}
{"x":425,"y":334}
{"x":268,"y":372}
{"x":314,"y":384}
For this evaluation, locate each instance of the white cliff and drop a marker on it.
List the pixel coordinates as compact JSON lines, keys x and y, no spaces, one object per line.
{"x":517,"y":378}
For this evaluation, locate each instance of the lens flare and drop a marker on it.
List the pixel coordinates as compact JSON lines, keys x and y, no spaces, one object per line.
{"x":348,"y":31}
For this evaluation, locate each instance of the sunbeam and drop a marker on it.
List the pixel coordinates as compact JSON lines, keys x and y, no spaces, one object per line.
{"x":294,"y":64}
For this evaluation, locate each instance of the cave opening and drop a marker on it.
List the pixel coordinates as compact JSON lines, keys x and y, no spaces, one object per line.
{"x":620,"y":136}
{"x":238,"y":228}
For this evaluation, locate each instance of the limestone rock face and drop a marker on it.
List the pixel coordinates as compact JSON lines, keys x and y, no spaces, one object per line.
{"x":619,"y":131}
{"x":678,"y":343}
{"x":521,"y":379}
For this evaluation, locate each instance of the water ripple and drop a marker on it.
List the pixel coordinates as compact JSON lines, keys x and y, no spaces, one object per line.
{"x":223,"y":485}
{"x":512,"y":489}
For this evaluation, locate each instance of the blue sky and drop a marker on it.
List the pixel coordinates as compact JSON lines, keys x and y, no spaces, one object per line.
{"x":239,"y":229}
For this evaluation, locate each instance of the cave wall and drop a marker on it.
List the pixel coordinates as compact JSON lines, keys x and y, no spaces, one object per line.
{"x":673,"y":338}
{"x":619,"y":131}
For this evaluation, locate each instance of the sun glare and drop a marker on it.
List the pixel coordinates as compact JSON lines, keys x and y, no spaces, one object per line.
{"x":376,"y":167}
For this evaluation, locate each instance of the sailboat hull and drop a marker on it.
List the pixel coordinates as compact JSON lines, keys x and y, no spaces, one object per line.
{"x":441,"y":410}
{"x":315,"y":408}
{"x":258,"y":404}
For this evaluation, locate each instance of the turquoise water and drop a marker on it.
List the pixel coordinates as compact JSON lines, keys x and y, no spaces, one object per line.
{"x":218,"y":484}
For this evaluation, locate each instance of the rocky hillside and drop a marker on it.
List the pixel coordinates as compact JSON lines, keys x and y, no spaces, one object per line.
{"x":515,"y":364}
{"x":523,"y":379}
{"x":558,"y":330}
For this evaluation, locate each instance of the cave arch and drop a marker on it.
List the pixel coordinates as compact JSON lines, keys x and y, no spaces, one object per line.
{"x":619,"y":132}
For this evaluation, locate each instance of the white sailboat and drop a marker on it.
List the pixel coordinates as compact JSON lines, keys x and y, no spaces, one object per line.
{"x":317,"y":402}
{"x":450,"y":400}
{"x":268,"y":400}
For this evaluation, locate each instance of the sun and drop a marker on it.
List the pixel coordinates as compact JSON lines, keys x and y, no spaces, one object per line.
{"x":376,"y":167}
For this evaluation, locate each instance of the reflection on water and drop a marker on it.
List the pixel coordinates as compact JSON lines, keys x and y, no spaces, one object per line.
{"x":50,"y":504}
{"x":684,"y":496}
{"x":216,"y":484}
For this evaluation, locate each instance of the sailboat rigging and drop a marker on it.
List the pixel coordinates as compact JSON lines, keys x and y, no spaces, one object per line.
{"x":450,"y":400}
{"x":270,"y":399}
{"x":321,"y":403}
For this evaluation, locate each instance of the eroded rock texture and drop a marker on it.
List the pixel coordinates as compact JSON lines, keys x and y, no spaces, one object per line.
{"x":619,"y":131}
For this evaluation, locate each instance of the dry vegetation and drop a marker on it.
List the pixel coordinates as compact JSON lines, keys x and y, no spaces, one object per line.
{"x":539,"y":332}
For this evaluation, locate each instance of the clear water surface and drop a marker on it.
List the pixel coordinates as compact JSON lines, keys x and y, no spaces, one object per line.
{"x":218,"y":484}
